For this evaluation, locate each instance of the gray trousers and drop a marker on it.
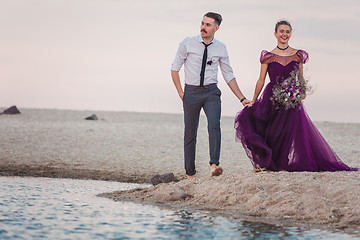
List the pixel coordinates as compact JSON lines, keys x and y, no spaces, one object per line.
{"x":195,"y":98}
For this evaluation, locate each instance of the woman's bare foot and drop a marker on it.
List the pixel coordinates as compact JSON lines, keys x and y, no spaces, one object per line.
{"x":190,"y":176}
{"x":260,"y":170}
{"x":215,"y":170}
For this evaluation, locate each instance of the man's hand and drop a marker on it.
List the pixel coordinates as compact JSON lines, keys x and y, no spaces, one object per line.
{"x":181,"y":95}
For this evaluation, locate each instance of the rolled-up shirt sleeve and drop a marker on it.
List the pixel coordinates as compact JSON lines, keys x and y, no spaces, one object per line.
{"x":180,"y":57}
{"x":225,"y":67}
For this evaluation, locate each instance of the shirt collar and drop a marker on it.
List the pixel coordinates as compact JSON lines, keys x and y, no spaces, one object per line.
{"x":202,"y":40}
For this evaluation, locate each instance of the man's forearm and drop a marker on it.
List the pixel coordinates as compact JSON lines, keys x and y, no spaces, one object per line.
{"x":235,"y":89}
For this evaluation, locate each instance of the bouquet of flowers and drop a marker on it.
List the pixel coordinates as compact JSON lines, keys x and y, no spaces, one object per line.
{"x":288,"y":92}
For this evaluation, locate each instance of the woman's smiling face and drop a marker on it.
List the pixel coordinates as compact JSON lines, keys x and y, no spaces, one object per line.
{"x":283,"y":34}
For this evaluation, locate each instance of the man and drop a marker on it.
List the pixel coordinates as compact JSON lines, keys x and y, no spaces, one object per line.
{"x":201,"y":56}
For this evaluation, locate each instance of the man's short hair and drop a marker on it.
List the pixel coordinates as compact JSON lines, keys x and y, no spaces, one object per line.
{"x":217,"y":17}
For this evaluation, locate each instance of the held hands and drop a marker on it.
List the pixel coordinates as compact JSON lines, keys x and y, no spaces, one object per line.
{"x":246,"y":103}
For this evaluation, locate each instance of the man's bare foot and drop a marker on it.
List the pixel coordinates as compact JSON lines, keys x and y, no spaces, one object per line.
{"x":190,"y":176}
{"x":215,"y":170}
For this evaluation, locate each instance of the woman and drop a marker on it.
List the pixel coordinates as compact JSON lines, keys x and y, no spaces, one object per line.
{"x":276,"y":132}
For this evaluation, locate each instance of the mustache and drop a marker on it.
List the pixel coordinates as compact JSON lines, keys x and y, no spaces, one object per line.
{"x":203,"y":30}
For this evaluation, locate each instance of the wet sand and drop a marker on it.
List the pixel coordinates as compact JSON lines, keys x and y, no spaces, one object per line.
{"x":131,"y":147}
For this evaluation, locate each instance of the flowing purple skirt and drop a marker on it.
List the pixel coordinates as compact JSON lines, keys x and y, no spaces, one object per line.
{"x":285,"y":140}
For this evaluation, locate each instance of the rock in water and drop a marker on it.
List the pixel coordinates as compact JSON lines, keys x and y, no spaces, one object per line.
{"x":163,"y":178}
{"x":11,"y":110}
{"x":92,"y":117}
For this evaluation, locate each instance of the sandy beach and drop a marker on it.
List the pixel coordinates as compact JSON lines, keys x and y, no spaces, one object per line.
{"x":131,"y":147}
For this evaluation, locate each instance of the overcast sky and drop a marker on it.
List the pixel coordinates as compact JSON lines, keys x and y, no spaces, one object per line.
{"x":116,"y":54}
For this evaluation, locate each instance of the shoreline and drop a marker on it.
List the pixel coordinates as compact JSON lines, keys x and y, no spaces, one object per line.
{"x":273,"y":197}
{"x":283,"y":222}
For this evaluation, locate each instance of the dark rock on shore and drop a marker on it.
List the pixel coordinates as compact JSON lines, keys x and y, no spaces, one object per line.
{"x":11,"y":110}
{"x":163,"y":178}
{"x":92,"y":117}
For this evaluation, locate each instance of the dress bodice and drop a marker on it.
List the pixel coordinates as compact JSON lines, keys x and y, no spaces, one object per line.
{"x":280,"y":67}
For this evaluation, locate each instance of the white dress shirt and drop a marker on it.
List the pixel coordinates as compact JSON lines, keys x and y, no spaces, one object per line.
{"x":190,"y":53}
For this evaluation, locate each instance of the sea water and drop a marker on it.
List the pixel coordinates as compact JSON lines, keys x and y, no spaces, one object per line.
{"x":49,"y":208}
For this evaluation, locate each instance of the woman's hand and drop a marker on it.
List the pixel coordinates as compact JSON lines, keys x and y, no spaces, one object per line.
{"x":303,"y":96}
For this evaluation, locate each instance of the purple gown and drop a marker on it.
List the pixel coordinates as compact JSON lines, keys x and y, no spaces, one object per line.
{"x":283,"y":139}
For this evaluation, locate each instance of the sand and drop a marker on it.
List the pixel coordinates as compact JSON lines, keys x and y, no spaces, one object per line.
{"x":131,"y":147}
